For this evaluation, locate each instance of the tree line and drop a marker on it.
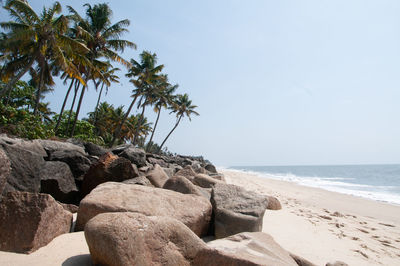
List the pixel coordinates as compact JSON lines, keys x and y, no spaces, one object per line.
{"x":82,"y":51}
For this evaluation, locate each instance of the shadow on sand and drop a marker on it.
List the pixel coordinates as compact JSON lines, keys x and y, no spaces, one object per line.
{"x":81,"y":260}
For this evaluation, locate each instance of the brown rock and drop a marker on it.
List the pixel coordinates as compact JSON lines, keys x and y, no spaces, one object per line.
{"x":236,"y":210}
{"x":187,"y":172}
{"x":192,"y":210}
{"x":30,"y":221}
{"x":109,"y":168}
{"x":182,"y":185}
{"x":219,"y":177}
{"x":157,"y":176}
{"x":5,"y":170}
{"x":273,"y":203}
{"x":245,"y":249}
{"x":136,"y":239}
{"x":205,"y":181}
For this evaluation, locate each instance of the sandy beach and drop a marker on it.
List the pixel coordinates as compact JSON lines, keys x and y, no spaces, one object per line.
{"x":324,"y":226}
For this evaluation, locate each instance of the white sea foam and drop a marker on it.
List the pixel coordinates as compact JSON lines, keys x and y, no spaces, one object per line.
{"x":335,"y":184}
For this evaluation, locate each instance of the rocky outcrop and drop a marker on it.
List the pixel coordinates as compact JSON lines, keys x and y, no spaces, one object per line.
{"x":211,"y":168}
{"x":77,"y":161}
{"x":29,"y":145}
{"x":157,"y":176}
{"x":5,"y":170}
{"x":25,"y":167}
{"x":245,"y":249}
{"x":108,"y":168}
{"x":134,"y":155}
{"x":192,"y":210}
{"x":236,"y":210}
{"x":273,"y":203}
{"x":30,"y":221}
{"x":136,"y":239}
{"x":182,"y":185}
{"x":57,"y":180}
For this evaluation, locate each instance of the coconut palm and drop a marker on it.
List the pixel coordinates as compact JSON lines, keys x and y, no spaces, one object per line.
{"x":143,"y":76}
{"x":183,"y":106}
{"x":40,"y":39}
{"x":102,"y":38}
{"x":164,"y":99}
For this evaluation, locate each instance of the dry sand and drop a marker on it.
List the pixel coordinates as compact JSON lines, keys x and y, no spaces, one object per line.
{"x":318,"y":225}
{"x":324,"y":226}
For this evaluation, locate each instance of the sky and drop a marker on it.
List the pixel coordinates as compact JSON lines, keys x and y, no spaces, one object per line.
{"x":276,"y":82}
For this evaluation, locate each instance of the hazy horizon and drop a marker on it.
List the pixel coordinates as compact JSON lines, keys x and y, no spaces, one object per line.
{"x":277,"y":82}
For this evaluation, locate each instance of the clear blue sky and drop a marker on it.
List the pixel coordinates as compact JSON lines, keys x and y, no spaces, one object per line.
{"x":276,"y":82}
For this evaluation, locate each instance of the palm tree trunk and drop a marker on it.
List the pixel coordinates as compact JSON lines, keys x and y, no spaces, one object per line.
{"x":138,"y":124}
{"x":97,"y":105}
{"x":16,"y":78}
{"x":38,"y":92}
{"x":118,"y":130}
{"x":154,"y":128}
{"x":72,"y":106}
{"x":177,"y":123}
{"x":77,"y":110}
{"x":63,"y":106}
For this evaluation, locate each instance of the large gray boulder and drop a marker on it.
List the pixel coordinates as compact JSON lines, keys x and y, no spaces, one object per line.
{"x":121,"y":239}
{"x":30,"y":221}
{"x":245,"y":249}
{"x":187,"y":172}
{"x":77,"y":161}
{"x":29,"y":145}
{"x":94,"y":150}
{"x":205,"y":181}
{"x":51,"y":146}
{"x":135,"y":155}
{"x":157,"y":176}
{"x":57,"y":180}
{"x":25,"y":168}
{"x":108,"y":168}
{"x":211,"y":168}
{"x":236,"y":210}
{"x":5,"y":169}
{"x":192,"y":210}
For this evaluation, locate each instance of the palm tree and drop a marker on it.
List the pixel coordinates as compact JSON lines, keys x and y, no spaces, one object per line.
{"x":39,"y":39}
{"x":183,"y":107}
{"x":143,"y":75}
{"x":102,"y":38}
{"x":164,"y":98}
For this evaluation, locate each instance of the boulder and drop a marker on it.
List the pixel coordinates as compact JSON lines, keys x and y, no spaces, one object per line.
{"x":25,"y":167}
{"x":211,"y":168}
{"x":72,"y":208}
{"x":140,"y":180}
{"x":303,"y":262}
{"x":5,"y":169}
{"x":182,"y":185}
{"x":77,"y":161}
{"x":108,"y":168}
{"x":205,"y":181}
{"x":236,"y":210}
{"x":57,"y":180}
{"x":134,"y":239}
{"x":30,"y":221}
{"x":187,"y":172}
{"x":160,"y":162}
{"x":245,"y":249}
{"x":135,"y":155}
{"x":51,"y":146}
{"x":29,"y":145}
{"x":192,"y":210}
{"x":219,"y":177}
{"x":157,"y":176}
{"x":94,"y":150}
{"x":169,"y":171}
{"x":273,"y":203}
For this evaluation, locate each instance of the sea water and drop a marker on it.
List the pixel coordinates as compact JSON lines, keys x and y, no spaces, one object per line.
{"x":376,"y":182}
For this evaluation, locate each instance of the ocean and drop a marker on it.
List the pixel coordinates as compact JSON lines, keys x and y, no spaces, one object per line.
{"x":376,"y":182}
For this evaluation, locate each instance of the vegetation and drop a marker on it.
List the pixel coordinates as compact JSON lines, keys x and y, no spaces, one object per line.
{"x":81,"y":50}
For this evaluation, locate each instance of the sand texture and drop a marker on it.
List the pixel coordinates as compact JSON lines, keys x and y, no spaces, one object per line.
{"x":324,"y":226}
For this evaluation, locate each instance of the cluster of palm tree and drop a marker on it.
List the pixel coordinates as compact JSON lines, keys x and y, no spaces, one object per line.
{"x":82,"y":51}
